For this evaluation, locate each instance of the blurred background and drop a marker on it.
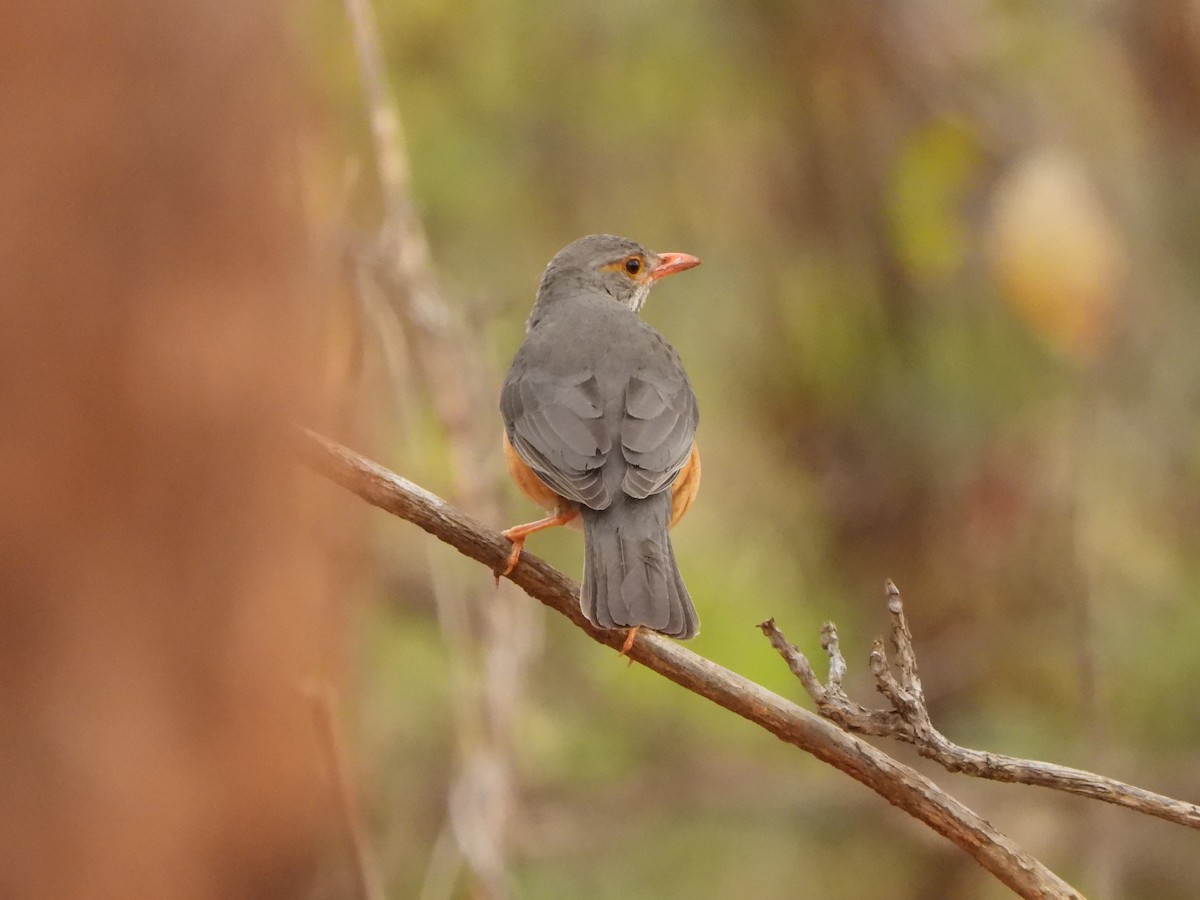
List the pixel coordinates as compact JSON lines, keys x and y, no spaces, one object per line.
{"x":945,"y":333}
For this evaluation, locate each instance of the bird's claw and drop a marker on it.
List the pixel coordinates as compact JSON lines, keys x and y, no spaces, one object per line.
{"x":629,"y":639}
{"x":514,"y":555}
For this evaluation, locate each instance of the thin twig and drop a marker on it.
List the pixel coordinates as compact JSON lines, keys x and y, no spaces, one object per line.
{"x":896,"y":783}
{"x":368,"y":881}
{"x":908,"y":720}
{"x":489,"y":662}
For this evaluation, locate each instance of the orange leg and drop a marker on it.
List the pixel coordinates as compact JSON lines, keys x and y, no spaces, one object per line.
{"x":629,"y":638}
{"x":518,"y":533}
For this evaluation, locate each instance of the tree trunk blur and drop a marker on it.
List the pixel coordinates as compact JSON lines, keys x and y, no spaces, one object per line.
{"x":165,"y":584}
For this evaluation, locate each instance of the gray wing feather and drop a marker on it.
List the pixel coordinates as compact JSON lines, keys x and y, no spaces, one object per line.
{"x":657,"y":431}
{"x":557,"y":428}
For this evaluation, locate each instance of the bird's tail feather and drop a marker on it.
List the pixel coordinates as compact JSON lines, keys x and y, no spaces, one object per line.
{"x":630,"y":576}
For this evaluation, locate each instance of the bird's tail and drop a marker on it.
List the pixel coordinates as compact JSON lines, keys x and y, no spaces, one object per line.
{"x":629,"y":573}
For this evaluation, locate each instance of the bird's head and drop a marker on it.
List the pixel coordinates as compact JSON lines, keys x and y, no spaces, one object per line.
{"x":621,"y":268}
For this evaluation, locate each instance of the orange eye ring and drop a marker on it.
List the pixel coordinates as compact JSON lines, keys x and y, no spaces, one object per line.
{"x":633,"y":265}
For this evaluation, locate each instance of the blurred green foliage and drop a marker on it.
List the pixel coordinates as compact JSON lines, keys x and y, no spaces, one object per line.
{"x":944,"y":333}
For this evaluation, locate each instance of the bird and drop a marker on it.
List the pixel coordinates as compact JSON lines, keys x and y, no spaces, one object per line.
{"x":600,"y":430}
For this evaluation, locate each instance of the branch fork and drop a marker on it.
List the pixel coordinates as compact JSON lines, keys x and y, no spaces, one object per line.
{"x":908,"y":720}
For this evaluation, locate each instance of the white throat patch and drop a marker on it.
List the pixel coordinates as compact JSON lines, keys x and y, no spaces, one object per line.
{"x":638,"y":300}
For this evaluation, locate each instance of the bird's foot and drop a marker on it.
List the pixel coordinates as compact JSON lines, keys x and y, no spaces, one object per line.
{"x":629,"y":639}
{"x":518,"y":533}
{"x":514,"y":555}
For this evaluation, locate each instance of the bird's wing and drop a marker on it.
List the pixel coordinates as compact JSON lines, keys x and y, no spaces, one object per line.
{"x":556,"y":426}
{"x":658,"y":428}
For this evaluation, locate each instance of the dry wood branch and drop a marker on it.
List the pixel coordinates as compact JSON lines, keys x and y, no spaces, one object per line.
{"x":896,"y":783}
{"x":908,"y":720}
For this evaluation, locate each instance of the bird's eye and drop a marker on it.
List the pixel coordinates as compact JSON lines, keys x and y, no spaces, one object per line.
{"x":633,"y":265}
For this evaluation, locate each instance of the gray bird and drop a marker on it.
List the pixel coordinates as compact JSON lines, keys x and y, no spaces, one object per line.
{"x":600,"y":424}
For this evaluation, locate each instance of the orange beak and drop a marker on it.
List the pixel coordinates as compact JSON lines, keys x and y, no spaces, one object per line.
{"x":670,"y":263}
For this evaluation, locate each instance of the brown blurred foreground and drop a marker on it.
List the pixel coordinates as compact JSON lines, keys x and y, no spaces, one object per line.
{"x":164,"y":584}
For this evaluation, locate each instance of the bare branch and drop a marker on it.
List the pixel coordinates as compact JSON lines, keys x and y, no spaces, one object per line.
{"x":831,"y":700}
{"x":908,"y":720}
{"x":896,"y":783}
